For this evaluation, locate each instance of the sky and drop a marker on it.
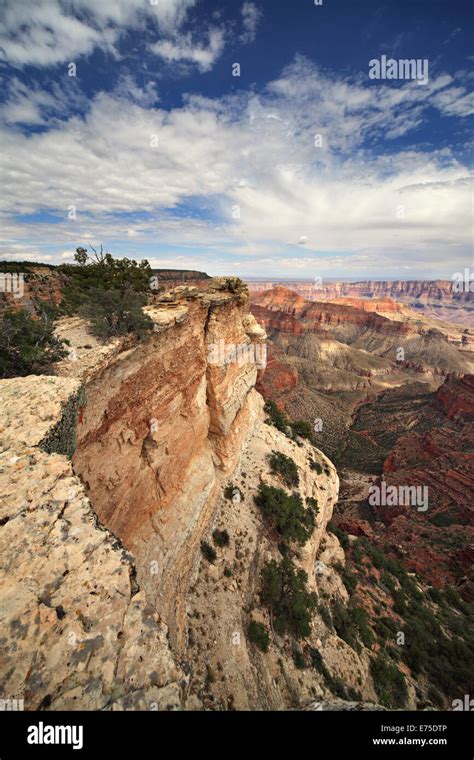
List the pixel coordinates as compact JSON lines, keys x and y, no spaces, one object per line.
{"x":245,"y":137}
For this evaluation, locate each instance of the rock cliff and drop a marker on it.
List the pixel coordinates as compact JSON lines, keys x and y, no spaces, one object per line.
{"x":112,"y":474}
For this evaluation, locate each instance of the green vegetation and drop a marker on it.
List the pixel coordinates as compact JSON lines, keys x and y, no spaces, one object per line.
{"x":61,"y":439}
{"x":299,"y":659}
{"x":316,"y":466}
{"x":312,"y":504}
{"x":208,"y":551}
{"x":284,"y":592}
{"x":292,"y":521}
{"x":258,"y":635}
{"x":349,"y":580}
{"x":291,"y":428}
{"x":112,"y":313}
{"x":302,"y":428}
{"x":220,"y":538}
{"x":340,"y":535}
{"x":285,"y":467}
{"x":28,"y":346}
{"x":275,"y":417}
{"x":437,"y":628}
{"x":389,"y":683}
{"x":109,"y":292}
{"x":442,"y":520}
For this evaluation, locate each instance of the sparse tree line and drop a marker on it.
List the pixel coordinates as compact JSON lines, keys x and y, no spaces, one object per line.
{"x":110,"y":293}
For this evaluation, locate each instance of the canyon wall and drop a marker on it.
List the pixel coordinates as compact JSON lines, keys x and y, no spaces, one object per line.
{"x":433,"y":298}
{"x":112,"y":474}
{"x":427,"y":346}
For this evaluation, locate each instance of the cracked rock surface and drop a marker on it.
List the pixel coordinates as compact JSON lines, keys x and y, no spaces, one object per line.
{"x":76,"y":631}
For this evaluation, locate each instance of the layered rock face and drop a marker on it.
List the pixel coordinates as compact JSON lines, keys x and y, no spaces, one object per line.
{"x":164,"y":423}
{"x":425,"y":347}
{"x":77,"y":632}
{"x":326,"y":359}
{"x":434,"y":298}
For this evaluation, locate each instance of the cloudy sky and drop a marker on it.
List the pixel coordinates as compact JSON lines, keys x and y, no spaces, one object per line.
{"x":123,"y":122}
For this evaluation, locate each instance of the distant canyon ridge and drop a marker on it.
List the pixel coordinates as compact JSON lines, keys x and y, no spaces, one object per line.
{"x":433,"y":298}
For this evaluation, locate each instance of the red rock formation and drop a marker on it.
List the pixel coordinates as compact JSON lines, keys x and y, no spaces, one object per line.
{"x":278,"y":378}
{"x":380,"y":305}
{"x":286,"y":311}
{"x":434,"y":298}
{"x":441,"y":460}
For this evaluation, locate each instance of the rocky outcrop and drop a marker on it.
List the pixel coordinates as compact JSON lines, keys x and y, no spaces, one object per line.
{"x":164,"y":423}
{"x":38,"y":284}
{"x":77,"y":632}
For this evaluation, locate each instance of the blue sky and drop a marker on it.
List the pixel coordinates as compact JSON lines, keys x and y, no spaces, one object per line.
{"x":302,"y":166}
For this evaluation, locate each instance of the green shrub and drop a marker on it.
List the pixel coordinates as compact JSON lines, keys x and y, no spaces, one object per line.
{"x":208,"y":551}
{"x":442,"y":520}
{"x":436,"y":595}
{"x":452,"y":597}
{"x":388,"y":581}
{"x":435,"y":697}
{"x":315,"y":466}
{"x":302,"y":428}
{"x":284,"y":592}
{"x":101,"y":271}
{"x":361,"y":620}
{"x":61,"y":438}
{"x":275,"y":417}
{"x":344,"y":625}
{"x":341,"y":536}
{"x":220,"y":538}
{"x":292,"y":521}
{"x":112,"y":313}
{"x":298,"y":659}
{"x":318,"y":663}
{"x":325,"y":614}
{"x":282,"y":465}
{"x":389,"y":683}
{"x":258,"y":635}
{"x":28,"y":346}
{"x":349,"y":580}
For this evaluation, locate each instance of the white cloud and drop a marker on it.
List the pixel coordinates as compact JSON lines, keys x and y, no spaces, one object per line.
{"x":256,"y":152}
{"x":48,"y":32}
{"x":251,"y":16}
{"x":184,"y":48}
{"x":33,"y":105}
